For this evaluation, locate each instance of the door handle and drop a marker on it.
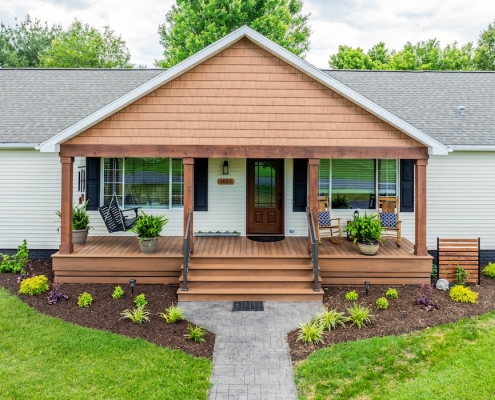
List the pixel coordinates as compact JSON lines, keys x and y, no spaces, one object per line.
{"x":280,"y":203}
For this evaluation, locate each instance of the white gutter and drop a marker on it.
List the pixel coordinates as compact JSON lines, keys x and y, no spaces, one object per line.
{"x":19,"y":146}
{"x":472,"y":148}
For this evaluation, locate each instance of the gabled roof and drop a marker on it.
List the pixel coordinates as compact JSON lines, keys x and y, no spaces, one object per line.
{"x":430,"y":100}
{"x":53,"y":144}
{"x":36,"y":104}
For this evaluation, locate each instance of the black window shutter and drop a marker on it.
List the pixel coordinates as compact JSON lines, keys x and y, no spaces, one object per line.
{"x":407,"y":185}
{"x":200,"y":184}
{"x":93,"y":182}
{"x":300,"y":185}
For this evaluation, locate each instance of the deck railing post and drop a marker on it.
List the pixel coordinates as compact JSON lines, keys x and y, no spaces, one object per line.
{"x":314,"y":249}
{"x":187,"y":252}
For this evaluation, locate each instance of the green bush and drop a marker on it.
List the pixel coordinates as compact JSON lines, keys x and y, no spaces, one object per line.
{"x":489,"y":270}
{"x":330,"y":319}
{"x":35,"y":285}
{"x":15,"y":263}
{"x":118,"y":292}
{"x":80,"y":217}
{"x":461,"y":275}
{"x":136,"y":315}
{"x":195,"y":333}
{"x":311,"y":332}
{"x":149,"y":226}
{"x":84,"y":300}
{"x":391,"y":294}
{"x":140,"y":300}
{"x":463,"y":294}
{"x":359,"y":316}
{"x":172,"y":314}
{"x":351,"y":296}
{"x":382,"y":303}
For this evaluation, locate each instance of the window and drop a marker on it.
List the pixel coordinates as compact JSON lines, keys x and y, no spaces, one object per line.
{"x":145,"y":182}
{"x":354,"y":183}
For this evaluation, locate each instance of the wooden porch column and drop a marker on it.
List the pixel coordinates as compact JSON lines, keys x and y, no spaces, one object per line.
{"x":420,"y":248}
{"x":313,"y":164}
{"x":66,"y":246}
{"x":189,"y":196}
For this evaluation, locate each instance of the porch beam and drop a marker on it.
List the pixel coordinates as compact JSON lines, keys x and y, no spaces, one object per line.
{"x":313,"y":164}
{"x":118,"y":150}
{"x":66,"y":245}
{"x":420,"y":248}
{"x":189,"y":196}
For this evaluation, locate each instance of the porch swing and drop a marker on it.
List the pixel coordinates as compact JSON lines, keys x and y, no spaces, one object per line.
{"x":112,"y":215}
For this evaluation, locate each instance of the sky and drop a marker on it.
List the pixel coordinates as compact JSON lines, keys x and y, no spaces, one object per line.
{"x":357,"y":23}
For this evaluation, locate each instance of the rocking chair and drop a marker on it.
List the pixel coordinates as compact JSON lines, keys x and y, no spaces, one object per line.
{"x":328,"y":227}
{"x":114,"y":217}
{"x":388,"y":214}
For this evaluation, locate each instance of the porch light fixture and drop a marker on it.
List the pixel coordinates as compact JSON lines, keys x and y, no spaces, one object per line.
{"x":367,"y":285}
{"x":132,"y":282}
{"x":225,"y":168}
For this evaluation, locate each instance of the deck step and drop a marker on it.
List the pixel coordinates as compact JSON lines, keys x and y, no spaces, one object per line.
{"x":261,"y":266}
{"x":235,"y":278}
{"x":251,"y":294}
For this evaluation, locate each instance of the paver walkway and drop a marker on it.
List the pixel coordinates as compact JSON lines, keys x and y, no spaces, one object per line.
{"x":251,"y":357}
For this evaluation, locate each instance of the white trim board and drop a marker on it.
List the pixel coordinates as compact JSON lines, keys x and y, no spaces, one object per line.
{"x":53,"y":144}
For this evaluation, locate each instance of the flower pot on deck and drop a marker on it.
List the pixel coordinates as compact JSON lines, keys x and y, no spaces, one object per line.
{"x":148,"y":246}
{"x":369,"y":249}
{"x":79,"y":236}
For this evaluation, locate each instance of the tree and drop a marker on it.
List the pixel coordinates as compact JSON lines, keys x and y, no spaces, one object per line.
{"x":484,"y":57}
{"x":22,"y":44}
{"x":83,"y":46}
{"x":191,"y":25}
{"x":349,"y":58}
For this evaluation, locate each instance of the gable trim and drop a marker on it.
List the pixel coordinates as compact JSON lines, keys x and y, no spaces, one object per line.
{"x":53,"y":144}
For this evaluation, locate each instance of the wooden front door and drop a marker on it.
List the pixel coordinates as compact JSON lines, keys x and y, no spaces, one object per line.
{"x":265,"y":196}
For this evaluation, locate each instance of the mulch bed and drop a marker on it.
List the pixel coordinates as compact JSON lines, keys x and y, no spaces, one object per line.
{"x":104,"y":313}
{"x":402,"y":316}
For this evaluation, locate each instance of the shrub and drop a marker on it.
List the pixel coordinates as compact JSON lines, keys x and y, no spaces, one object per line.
{"x":463,"y":294}
{"x":56,"y":295}
{"x":149,"y":226}
{"x":172,"y":314}
{"x":84,"y":300}
{"x":195,"y":333}
{"x":136,"y":315}
{"x":15,"y":263}
{"x":424,"y":299}
{"x":359,"y":316}
{"x":118,"y":293}
{"x":35,"y":285}
{"x":461,"y":275}
{"x":311,"y":332}
{"x":140,"y":300}
{"x":330,"y":319}
{"x":351,"y":296}
{"x":80,"y":217}
{"x":382,"y":303}
{"x":489,"y":270}
{"x":391,"y":294}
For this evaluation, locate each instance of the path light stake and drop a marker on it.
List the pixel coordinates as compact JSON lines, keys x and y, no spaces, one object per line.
{"x":367,"y":285}
{"x":132,"y":282}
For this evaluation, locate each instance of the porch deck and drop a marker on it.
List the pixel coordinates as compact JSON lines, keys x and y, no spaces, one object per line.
{"x":116,"y":259}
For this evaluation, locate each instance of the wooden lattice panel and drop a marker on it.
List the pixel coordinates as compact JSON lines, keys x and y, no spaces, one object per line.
{"x":463,"y":252}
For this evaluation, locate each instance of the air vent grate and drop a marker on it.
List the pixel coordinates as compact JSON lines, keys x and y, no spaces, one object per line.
{"x":247,"y":306}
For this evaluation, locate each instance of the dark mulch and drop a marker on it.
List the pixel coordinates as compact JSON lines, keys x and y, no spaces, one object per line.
{"x":105,"y":311}
{"x":402,"y":316}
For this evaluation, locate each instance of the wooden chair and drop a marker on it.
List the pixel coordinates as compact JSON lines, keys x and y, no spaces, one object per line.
{"x":389,"y":216}
{"x":326,"y":225}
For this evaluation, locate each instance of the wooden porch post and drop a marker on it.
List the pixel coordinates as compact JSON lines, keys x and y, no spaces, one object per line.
{"x":189,"y":195}
{"x":66,"y":246}
{"x":420,"y":248}
{"x":313,"y":164}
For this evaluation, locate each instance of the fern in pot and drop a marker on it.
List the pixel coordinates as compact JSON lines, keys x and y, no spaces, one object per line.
{"x":148,"y":228}
{"x":367,"y":232}
{"x":80,"y":223}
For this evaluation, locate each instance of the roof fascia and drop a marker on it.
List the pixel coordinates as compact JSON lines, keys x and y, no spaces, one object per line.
{"x":472,"y":148}
{"x":19,"y":146}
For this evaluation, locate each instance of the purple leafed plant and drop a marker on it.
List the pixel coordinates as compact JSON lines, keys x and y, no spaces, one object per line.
{"x":424,"y":299}
{"x":56,"y":295}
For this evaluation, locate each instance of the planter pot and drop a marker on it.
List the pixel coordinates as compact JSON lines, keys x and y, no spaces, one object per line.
{"x":369,"y":249}
{"x":148,"y":246}
{"x":79,"y":236}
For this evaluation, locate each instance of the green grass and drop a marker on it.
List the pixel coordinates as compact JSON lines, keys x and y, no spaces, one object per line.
{"x":452,"y":361}
{"x":45,"y":358}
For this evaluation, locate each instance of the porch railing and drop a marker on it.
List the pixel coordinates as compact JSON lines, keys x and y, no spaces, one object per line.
{"x":314,"y":248}
{"x":187,"y":252}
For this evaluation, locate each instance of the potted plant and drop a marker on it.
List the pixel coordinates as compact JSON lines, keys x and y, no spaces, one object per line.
{"x":80,"y":223}
{"x":367,"y":233}
{"x":148,"y":228}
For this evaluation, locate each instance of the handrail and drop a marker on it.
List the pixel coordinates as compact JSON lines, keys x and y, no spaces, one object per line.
{"x":314,"y":248}
{"x":187,"y":252}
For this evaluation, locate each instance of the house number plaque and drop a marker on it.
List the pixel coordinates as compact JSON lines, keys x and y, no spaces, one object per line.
{"x":223,"y":181}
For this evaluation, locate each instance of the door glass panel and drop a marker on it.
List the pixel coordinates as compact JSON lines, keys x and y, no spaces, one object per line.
{"x":264,"y":184}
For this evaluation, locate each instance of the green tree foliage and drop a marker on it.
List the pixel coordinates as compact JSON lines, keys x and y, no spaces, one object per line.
{"x":484,"y":58}
{"x":192,"y":25}
{"x":21,"y":45}
{"x":83,"y":46}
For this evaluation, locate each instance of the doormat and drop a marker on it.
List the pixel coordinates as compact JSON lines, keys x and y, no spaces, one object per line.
{"x":266,"y":238}
{"x":248,"y":306}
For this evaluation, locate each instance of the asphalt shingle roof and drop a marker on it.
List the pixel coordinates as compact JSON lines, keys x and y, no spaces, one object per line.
{"x":430,"y":100}
{"x":36,"y":104}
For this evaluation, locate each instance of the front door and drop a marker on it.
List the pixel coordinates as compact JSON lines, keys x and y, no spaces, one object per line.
{"x":265,"y":196}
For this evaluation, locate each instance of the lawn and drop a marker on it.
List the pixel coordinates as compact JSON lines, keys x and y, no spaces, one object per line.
{"x":453,"y":361}
{"x":45,"y":358}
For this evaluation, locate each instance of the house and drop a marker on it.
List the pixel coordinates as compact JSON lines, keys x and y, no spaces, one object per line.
{"x":285,"y":131}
